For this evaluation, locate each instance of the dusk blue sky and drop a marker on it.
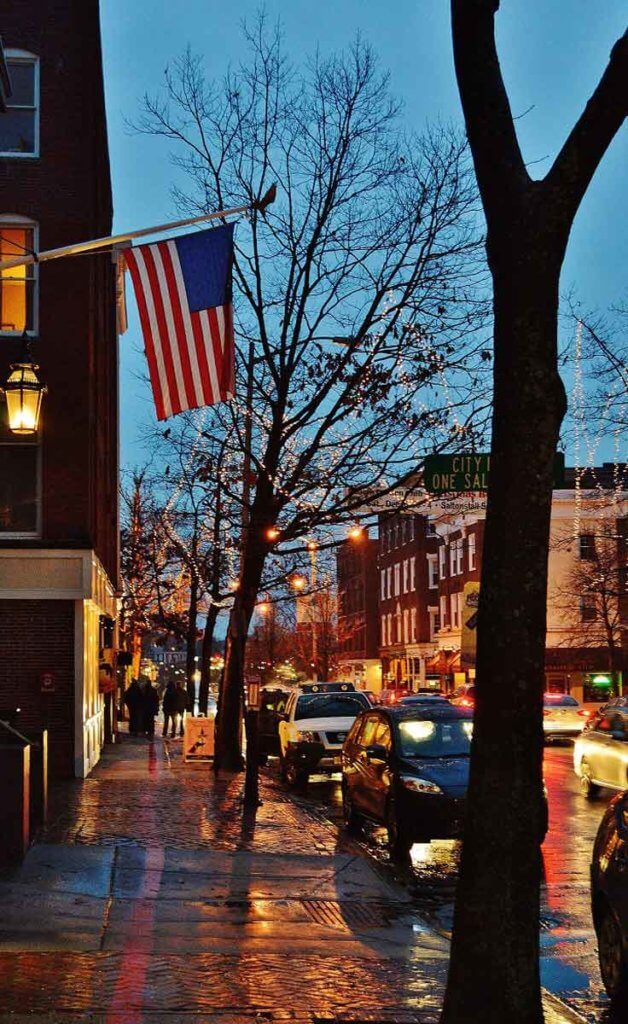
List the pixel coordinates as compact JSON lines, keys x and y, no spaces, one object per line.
{"x":552,"y":54}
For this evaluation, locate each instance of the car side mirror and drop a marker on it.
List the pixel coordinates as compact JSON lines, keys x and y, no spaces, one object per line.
{"x":377,"y":752}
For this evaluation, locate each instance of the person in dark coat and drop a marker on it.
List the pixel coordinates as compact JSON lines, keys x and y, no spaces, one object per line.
{"x":182,"y":705}
{"x":134,"y":700}
{"x":150,"y":708}
{"x":171,"y":707}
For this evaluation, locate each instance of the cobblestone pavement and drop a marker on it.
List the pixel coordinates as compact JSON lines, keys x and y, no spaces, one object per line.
{"x":148,"y":900}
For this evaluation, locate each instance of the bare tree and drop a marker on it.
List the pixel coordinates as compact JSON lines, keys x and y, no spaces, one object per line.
{"x":496,"y":920}
{"x":357,"y":296}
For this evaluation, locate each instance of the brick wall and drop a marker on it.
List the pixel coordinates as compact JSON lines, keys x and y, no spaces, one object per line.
{"x":36,"y":637}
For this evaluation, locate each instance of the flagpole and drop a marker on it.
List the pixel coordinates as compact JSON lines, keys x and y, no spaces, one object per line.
{"x":100,"y":243}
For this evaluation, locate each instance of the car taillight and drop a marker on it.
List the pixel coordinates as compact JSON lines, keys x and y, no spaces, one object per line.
{"x":584,"y":714}
{"x":466,"y":703}
{"x":546,"y":712}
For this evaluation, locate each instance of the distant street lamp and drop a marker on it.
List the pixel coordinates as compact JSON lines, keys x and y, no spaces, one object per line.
{"x":355,"y":533}
{"x":272,"y":534}
{"x":24,"y":391}
{"x":298,"y":582}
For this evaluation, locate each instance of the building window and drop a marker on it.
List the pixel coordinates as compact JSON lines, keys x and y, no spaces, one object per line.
{"x":471,"y":550}
{"x":405,"y":575}
{"x":383,"y":584}
{"x":452,"y":558}
{"x":588,"y":610}
{"x":459,"y":556}
{"x":413,"y":625}
{"x":413,"y":573}
{"x":587,"y":545}
{"x":432,"y":572}
{"x":411,"y":528}
{"x":18,"y":285}
{"x":434,"y":622}
{"x":397,"y":579}
{"x":398,"y":623}
{"x":383,"y":630}
{"x":443,"y":612}
{"x":406,"y":630}
{"x":455,"y":607}
{"x":389,"y":581}
{"x":442,"y":561}
{"x":19,"y":125}
{"x":19,"y":483}
{"x":389,"y":628}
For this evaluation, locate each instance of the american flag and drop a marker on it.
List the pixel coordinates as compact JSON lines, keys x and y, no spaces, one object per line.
{"x":183,"y":292}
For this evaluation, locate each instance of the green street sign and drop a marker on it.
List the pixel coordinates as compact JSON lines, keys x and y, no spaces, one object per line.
{"x":457,"y":474}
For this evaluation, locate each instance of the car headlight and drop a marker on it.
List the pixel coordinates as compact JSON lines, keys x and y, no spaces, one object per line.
{"x":419,"y":785}
{"x":307,"y":736}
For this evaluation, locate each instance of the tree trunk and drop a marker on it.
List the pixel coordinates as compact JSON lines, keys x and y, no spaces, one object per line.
{"x":206,"y":656}
{"x":496,"y":920}
{"x":228,"y":728}
{"x":190,"y":653}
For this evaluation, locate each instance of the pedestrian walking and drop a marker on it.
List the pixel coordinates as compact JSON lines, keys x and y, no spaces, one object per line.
{"x":150,"y":701}
{"x":182,"y":705}
{"x":134,"y":700}
{"x":170,"y":708}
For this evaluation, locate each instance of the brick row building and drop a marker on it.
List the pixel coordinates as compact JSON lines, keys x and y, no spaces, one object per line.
{"x":59,"y":486}
{"x":425,"y":578}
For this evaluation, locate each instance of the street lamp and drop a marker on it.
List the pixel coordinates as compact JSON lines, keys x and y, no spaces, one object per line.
{"x":298,"y":582}
{"x":355,"y":533}
{"x":24,"y":391}
{"x":272,"y":534}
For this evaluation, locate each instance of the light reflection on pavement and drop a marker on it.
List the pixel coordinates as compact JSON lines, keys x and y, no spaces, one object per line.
{"x":569,"y":964}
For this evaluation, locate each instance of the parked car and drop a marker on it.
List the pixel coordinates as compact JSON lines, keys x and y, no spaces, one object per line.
{"x":609,"y":898}
{"x":314,"y":726}
{"x":465,"y":696}
{"x":600,"y":754}
{"x":423,"y":698}
{"x":393,"y":696}
{"x":621,"y":703}
{"x":563,"y":716}
{"x":407,"y":767}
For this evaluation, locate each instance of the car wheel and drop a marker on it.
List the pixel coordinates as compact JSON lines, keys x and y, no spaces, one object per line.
{"x":295,"y":776}
{"x":399,"y":842}
{"x":613,"y":964}
{"x":352,"y":820}
{"x":588,"y":787}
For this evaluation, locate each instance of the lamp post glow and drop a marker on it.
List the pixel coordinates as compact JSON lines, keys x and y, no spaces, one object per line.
{"x":24,"y":391}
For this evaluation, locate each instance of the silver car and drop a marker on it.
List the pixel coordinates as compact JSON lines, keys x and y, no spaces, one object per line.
{"x":600,"y":754}
{"x":562,"y":716}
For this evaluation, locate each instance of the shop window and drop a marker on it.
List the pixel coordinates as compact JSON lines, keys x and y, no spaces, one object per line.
{"x":19,"y":124}
{"x":18,"y":285}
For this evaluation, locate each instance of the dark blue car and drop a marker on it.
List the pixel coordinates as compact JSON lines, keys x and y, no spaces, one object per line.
{"x":407,"y":767}
{"x":609,"y":898}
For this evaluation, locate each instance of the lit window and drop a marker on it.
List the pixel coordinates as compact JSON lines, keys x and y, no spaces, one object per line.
{"x":383,"y":630}
{"x":406,"y":631}
{"x":18,"y":285}
{"x":19,"y":125}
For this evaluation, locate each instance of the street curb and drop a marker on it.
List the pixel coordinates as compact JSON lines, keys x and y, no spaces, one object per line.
{"x":557,"y":1012}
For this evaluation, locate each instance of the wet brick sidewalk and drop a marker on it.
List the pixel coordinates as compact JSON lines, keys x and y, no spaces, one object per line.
{"x":148,"y":900}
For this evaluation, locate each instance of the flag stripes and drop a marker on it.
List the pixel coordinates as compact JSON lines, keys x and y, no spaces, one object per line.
{"x":190,"y":353}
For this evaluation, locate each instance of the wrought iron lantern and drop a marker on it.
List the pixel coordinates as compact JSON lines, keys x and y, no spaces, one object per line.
{"x":24,"y":391}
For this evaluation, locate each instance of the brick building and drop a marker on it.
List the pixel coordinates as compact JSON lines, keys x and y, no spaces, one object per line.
{"x":58,"y":488}
{"x":408,"y":597}
{"x":358,"y":656}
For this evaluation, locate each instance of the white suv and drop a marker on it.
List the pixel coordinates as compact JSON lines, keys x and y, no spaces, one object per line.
{"x":314,"y":727}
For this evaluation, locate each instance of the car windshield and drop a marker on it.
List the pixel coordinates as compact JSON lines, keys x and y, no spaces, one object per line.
{"x":330,"y":705}
{"x":447,"y":737}
{"x":559,"y":700}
